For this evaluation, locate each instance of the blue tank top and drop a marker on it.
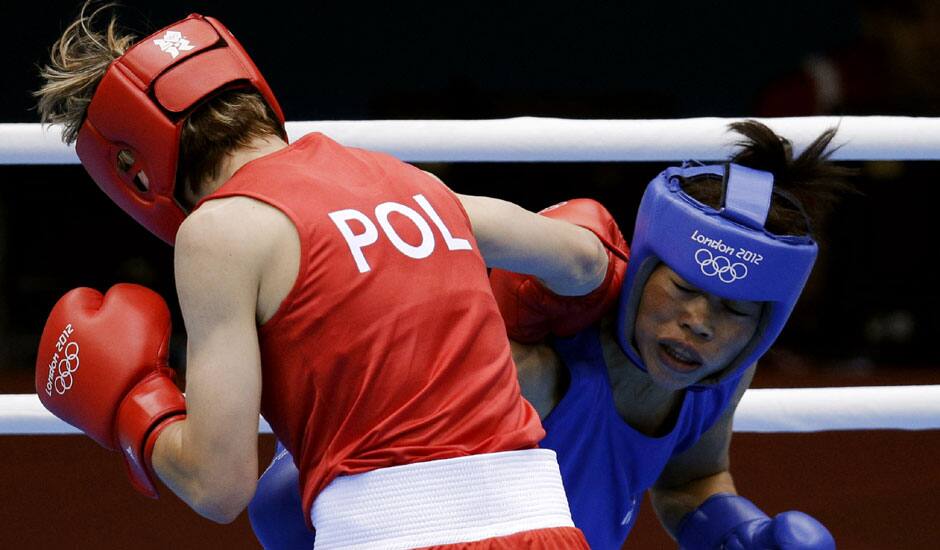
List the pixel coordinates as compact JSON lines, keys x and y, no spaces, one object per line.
{"x":606,"y":465}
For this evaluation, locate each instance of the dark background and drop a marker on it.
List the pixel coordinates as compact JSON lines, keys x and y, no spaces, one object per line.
{"x":869,"y":315}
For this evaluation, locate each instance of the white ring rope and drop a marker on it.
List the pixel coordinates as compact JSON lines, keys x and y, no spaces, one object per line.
{"x":528,"y":139}
{"x":761,"y":410}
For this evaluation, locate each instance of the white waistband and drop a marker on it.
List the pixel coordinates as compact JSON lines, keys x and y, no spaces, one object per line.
{"x":442,"y":502}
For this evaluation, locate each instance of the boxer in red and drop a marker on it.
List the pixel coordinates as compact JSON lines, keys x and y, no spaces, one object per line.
{"x":339,"y":292}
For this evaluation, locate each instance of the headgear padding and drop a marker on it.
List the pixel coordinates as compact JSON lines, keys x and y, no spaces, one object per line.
{"x":727,"y":252}
{"x":141,"y":104}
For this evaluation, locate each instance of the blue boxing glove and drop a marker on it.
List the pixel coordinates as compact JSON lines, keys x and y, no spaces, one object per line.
{"x":276,"y":512}
{"x":726,"y":521}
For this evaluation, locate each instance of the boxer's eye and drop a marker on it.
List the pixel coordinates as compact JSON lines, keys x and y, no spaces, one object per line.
{"x":735,"y":310}
{"x":742,"y":309}
{"x":684,"y":288}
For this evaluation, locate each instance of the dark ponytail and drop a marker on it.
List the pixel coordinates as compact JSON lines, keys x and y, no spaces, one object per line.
{"x":809,"y":181}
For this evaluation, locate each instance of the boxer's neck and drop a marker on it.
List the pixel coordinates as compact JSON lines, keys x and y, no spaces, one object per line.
{"x":255,"y":149}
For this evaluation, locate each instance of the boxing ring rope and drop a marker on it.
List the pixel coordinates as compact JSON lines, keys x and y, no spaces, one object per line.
{"x":528,"y":139}
{"x":760,"y":410}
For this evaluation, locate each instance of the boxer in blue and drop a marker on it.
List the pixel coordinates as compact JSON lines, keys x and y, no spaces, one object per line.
{"x":637,"y":382}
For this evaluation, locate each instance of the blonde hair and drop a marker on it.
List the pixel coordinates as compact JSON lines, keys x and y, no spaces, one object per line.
{"x":77,"y":63}
{"x":81,"y":57}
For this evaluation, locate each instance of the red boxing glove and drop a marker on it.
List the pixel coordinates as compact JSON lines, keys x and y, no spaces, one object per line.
{"x":102,"y":367}
{"x":532,"y":311}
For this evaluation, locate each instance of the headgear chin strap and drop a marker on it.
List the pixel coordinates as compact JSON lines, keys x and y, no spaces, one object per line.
{"x":141,"y":104}
{"x":725,"y":252}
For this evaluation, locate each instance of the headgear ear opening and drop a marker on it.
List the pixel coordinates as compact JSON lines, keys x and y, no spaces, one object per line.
{"x":129,"y":142}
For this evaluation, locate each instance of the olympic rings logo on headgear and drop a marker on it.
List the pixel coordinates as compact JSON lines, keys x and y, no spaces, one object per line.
{"x":70,"y":362}
{"x":720,"y":266}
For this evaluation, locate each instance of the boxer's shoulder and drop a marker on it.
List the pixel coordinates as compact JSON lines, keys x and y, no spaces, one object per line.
{"x":235,"y":223}
{"x":246,"y":235}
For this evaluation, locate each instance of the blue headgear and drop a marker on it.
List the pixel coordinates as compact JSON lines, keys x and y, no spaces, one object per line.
{"x":725,"y":252}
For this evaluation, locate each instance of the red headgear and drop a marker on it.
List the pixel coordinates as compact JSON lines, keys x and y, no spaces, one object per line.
{"x":140,"y":106}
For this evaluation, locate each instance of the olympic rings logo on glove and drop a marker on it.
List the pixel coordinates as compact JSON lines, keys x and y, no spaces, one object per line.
{"x":65,"y":367}
{"x":720,"y":266}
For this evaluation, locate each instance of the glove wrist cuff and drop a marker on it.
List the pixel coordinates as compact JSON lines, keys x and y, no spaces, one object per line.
{"x":150,"y":407}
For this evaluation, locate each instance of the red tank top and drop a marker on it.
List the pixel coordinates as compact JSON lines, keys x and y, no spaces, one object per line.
{"x":389,"y":349}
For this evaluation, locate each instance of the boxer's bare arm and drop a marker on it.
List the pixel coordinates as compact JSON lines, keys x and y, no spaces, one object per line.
{"x":699,"y":472}
{"x":210,"y":459}
{"x":539,"y":370}
{"x":569,"y":260}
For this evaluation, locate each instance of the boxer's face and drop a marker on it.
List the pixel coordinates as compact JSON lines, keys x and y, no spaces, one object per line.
{"x":684,"y":334}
